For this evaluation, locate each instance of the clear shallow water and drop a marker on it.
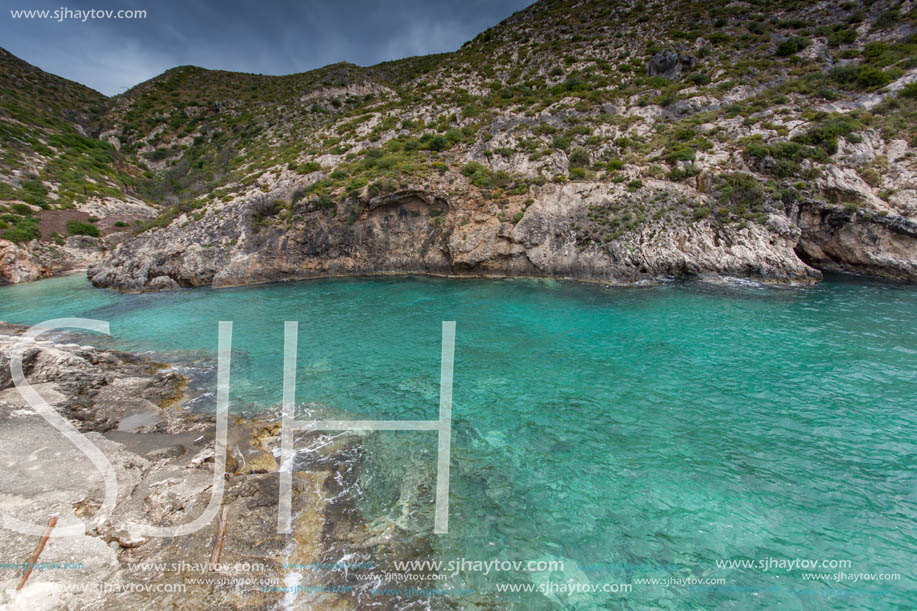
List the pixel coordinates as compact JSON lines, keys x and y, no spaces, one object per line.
{"x":676,"y":425}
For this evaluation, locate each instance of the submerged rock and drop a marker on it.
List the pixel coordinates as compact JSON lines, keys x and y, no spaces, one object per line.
{"x":165,"y":472}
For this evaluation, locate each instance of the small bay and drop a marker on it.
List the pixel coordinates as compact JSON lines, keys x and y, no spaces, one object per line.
{"x":674,"y":425}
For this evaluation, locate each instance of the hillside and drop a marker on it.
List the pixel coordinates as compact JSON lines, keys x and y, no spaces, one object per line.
{"x":610,"y":141}
{"x":53,"y":171}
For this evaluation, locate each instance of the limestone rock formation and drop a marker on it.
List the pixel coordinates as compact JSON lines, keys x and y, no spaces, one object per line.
{"x":17,"y":264}
{"x":844,"y":240}
{"x":670,"y":64}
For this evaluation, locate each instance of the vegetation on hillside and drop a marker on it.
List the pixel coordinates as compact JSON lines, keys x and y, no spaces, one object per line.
{"x":535,"y":99}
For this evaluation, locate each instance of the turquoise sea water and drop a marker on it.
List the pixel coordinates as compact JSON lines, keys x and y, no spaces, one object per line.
{"x":677,"y":425}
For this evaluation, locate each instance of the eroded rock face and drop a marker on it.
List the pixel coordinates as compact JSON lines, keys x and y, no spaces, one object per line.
{"x":47,"y":257}
{"x":670,"y":64}
{"x":36,"y":260}
{"x":18,"y":265}
{"x":858,"y":241}
{"x":429,"y":231}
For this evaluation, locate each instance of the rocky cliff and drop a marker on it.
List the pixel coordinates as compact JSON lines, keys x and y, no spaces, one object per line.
{"x":429,"y":231}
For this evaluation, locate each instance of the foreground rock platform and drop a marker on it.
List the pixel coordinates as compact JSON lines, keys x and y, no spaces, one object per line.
{"x":131,"y":408}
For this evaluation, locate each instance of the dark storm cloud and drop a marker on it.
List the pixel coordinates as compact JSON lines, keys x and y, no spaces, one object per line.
{"x":268,"y":37}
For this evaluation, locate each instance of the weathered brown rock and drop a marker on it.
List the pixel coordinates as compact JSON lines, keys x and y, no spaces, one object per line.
{"x":18,"y":265}
{"x":858,"y":241}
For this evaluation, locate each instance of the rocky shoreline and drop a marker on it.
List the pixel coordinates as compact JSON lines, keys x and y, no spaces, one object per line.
{"x":423,"y":231}
{"x":131,"y":408}
{"x":38,"y":260}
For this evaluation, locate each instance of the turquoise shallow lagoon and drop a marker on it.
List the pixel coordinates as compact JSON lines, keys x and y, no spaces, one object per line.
{"x":676,"y":425}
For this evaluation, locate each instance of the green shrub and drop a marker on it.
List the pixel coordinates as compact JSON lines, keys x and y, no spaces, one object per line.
{"x":35,"y":187}
{"x":842,"y":37}
{"x":787,"y":155}
{"x":574,"y":83}
{"x":873,"y":78}
{"x":579,"y":157}
{"x":429,"y":142}
{"x":79,"y":228}
{"x":825,"y":134}
{"x":308,"y":167}
{"x":20,"y":235}
{"x":909,"y":91}
{"x":158,"y":154}
{"x":680,"y":153}
{"x":634,"y":185}
{"x":483,"y":177}
{"x":679,"y":174}
{"x":878,"y":53}
{"x":23,"y":230}
{"x":35,"y":200}
{"x":888,"y":18}
{"x":454,"y":135}
{"x":860,"y":77}
{"x":741,"y":192}
{"x":792,"y":45}
{"x":382,"y":186}
{"x":614,"y":164}
{"x":667,"y":99}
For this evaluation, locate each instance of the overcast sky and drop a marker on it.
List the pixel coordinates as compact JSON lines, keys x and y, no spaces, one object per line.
{"x":261,"y":36}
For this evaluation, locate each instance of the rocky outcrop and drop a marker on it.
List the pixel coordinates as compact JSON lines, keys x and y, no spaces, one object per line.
{"x":417,"y":230}
{"x":427,"y":231}
{"x":35,"y":260}
{"x":17,"y":264}
{"x":670,"y":64}
{"x":847,"y":239}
